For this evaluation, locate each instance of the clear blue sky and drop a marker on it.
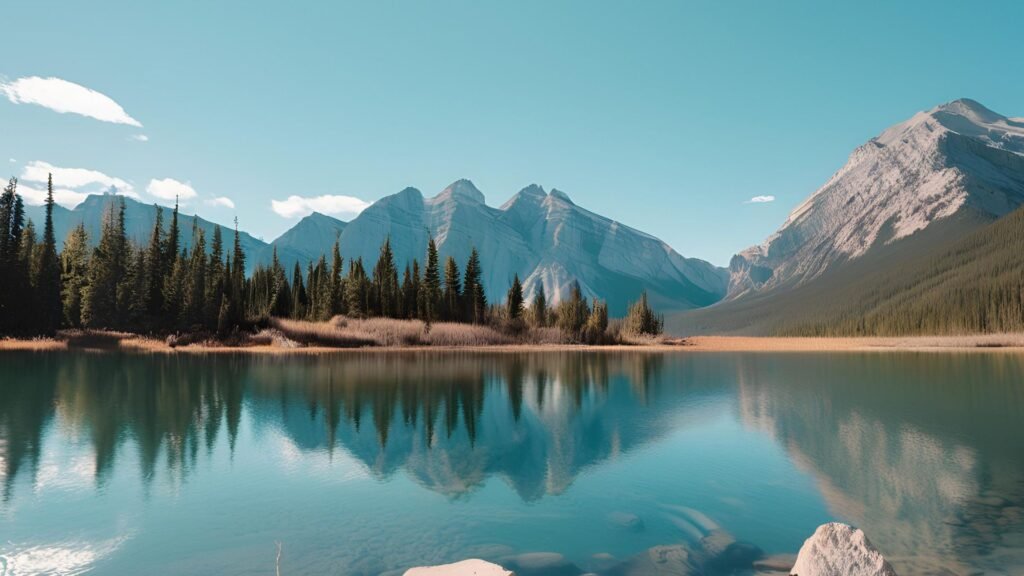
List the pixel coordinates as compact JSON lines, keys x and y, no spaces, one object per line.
{"x":667,"y":116}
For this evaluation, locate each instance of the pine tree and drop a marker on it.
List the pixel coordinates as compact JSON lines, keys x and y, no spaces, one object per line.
{"x":514,"y":303}
{"x":299,"y":298}
{"x":236,"y":291}
{"x":74,"y":274}
{"x":539,"y":307}
{"x":214,"y":280}
{"x":431,"y":285}
{"x":155,"y":271}
{"x":337,"y":274}
{"x":416,"y":305}
{"x":385,"y":282}
{"x":597,"y":323}
{"x":14,"y":287}
{"x":356,"y":289}
{"x":573,"y":313}
{"x":47,"y":283}
{"x":452,"y":291}
{"x":641,"y":319}
{"x":194,"y":298}
{"x":106,"y":269}
{"x":473,"y":290}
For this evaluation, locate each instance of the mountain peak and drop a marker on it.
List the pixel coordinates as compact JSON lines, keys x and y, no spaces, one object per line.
{"x":556,"y":193}
{"x":462,"y":189}
{"x":968,"y":108}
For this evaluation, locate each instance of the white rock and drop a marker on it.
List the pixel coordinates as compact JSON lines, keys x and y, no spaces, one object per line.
{"x":836,"y":549}
{"x":463,"y":568}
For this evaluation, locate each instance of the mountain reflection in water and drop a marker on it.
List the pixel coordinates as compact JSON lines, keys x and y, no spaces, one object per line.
{"x":923,"y":451}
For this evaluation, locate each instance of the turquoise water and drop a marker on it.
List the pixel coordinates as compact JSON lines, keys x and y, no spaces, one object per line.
{"x":370,"y":463}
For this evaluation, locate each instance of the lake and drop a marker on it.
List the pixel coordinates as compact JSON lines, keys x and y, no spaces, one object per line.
{"x":365,"y":463}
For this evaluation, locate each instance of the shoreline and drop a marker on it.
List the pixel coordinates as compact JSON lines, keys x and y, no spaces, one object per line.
{"x":989,"y":343}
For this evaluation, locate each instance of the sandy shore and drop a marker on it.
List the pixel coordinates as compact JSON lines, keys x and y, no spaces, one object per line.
{"x":977,"y":343}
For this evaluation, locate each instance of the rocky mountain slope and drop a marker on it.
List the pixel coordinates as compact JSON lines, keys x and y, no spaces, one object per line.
{"x":955,"y":158}
{"x":139,"y":220}
{"x":860,"y":243}
{"x":543,"y":237}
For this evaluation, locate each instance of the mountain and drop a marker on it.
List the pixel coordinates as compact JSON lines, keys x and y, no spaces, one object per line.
{"x":139,"y":220}
{"x":544,"y":238}
{"x":305,"y":242}
{"x":906,"y":196}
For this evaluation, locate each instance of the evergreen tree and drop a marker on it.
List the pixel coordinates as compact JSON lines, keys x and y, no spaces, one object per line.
{"x":452,"y":291}
{"x":236,"y":289}
{"x":357,"y":288}
{"x":385,"y":282}
{"x":47,"y":283}
{"x":299,"y":298}
{"x":597,"y":323}
{"x":515,"y":299}
{"x":337,"y":285}
{"x":74,"y":274}
{"x":106,"y":269}
{"x":14,"y":288}
{"x":539,"y":307}
{"x":573,"y":314}
{"x":155,"y":271}
{"x":416,"y":309}
{"x":408,"y":290}
{"x":431,"y":285}
{"x":194,"y":298}
{"x":641,"y":319}
{"x":473,"y":290}
{"x":214,"y":280}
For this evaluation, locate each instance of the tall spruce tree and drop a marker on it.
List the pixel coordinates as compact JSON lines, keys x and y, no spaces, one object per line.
{"x":47,"y":283}
{"x":452,"y":291}
{"x":74,"y":260}
{"x":155,"y":271}
{"x":515,"y":299}
{"x":473,"y":290}
{"x":337,"y":276}
{"x":385,"y":282}
{"x":106,"y":270}
{"x":539,"y":307}
{"x":431,"y":285}
{"x":14,"y":287}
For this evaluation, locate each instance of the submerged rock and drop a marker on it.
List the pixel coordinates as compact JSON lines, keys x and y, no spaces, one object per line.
{"x":463,"y":568}
{"x":836,"y":549}
{"x":540,"y":563}
{"x":626,"y":521}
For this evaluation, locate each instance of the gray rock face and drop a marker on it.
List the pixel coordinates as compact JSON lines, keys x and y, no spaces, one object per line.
{"x":956,"y":157}
{"x":545,"y":238}
{"x":837,"y":549}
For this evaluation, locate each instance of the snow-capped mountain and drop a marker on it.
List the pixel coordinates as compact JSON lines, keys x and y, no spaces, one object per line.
{"x":959,"y":158}
{"x":544,"y":238}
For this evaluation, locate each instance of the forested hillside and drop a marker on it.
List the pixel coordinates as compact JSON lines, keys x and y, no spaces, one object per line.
{"x":975,"y":285}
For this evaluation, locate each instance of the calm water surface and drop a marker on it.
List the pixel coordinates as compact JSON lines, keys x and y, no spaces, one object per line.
{"x":369,"y":463}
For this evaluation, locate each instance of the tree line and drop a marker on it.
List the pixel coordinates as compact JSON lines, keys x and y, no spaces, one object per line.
{"x":165,"y":287}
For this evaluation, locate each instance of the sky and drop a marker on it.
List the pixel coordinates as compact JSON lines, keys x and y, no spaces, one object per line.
{"x":702,"y":123}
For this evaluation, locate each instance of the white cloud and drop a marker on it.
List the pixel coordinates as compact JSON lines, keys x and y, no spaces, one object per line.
{"x":13,"y":161}
{"x":760,"y":200}
{"x":66,"y":97}
{"x":63,"y":196}
{"x":170,"y":189}
{"x":296,"y":206}
{"x":221,"y":201}
{"x":139,"y":137}
{"x":71,"y":185}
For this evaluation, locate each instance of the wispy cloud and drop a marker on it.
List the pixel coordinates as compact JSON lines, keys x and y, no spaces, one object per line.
{"x":13,"y":161}
{"x":139,"y":137}
{"x":760,"y":200}
{"x":66,"y":97}
{"x":170,"y":189}
{"x":70,"y":185}
{"x":295,"y":206}
{"x":221,"y":201}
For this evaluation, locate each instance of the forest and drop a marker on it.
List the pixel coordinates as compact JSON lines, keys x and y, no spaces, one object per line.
{"x":164,"y":287}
